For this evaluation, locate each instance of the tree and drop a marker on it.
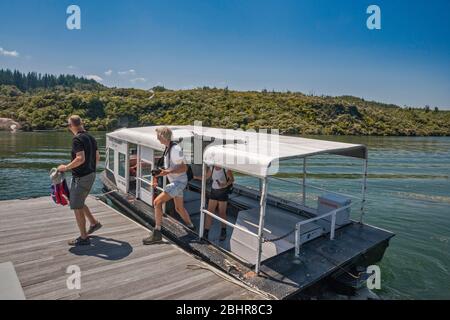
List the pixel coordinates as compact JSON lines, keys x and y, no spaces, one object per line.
{"x":159,"y":89}
{"x":33,"y":80}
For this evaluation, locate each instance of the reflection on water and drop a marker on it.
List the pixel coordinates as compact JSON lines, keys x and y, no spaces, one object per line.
{"x":408,"y":193}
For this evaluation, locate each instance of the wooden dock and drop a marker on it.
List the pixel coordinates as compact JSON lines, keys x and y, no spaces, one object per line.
{"x":34,"y":235}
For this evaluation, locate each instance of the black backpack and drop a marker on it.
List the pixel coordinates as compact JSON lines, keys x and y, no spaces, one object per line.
{"x":189,"y":173}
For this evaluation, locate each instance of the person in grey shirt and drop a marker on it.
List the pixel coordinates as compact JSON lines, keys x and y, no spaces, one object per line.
{"x":175,"y":170}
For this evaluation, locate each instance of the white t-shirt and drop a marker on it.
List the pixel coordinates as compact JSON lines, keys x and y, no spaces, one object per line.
{"x":218,"y":174}
{"x":176,"y":158}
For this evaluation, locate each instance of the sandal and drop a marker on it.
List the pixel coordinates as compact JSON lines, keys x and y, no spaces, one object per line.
{"x":79,"y":242}
{"x":94,"y":227}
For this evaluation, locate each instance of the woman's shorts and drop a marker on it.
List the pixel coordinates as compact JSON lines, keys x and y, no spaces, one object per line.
{"x":176,"y":188}
{"x":219,"y":194}
{"x":79,"y":190}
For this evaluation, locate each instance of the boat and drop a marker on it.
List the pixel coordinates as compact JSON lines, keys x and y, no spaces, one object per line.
{"x":283,"y":247}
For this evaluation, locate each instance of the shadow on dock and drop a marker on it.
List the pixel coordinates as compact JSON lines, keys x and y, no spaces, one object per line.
{"x":104,"y":248}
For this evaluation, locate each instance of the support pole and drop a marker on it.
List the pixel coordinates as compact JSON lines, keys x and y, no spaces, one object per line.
{"x":203,"y":201}
{"x":262,"y":212}
{"x":304,"y":182}
{"x":138,"y":171}
{"x":297,"y":240}
{"x":364,"y":189}
{"x":333,"y":226}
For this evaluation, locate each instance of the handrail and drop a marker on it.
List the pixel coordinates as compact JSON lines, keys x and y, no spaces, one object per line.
{"x":229,"y":223}
{"x":148,"y":182}
{"x":314,"y":187}
{"x":332,"y":230}
{"x":335,"y":192}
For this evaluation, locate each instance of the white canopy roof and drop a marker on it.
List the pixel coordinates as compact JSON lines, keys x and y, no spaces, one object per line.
{"x":146,"y":136}
{"x":251,"y":153}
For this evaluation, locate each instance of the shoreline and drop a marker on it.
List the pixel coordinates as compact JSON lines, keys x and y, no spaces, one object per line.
{"x":297,"y":135}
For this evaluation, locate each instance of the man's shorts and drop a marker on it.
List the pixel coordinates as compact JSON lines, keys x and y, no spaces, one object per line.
{"x":176,"y":188}
{"x":79,"y":190}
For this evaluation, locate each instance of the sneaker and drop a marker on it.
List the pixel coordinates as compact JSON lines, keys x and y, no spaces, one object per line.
{"x":94,"y":228}
{"x":79,"y":242}
{"x":223,"y":234}
{"x":155,"y":237}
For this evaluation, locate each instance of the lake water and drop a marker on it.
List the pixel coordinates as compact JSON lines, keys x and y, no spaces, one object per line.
{"x":408,"y":193}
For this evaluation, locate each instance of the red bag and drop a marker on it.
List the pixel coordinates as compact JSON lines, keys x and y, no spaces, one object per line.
{"x":59,"y":189}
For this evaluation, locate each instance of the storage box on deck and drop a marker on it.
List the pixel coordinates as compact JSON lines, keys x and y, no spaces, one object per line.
{"x":330,"y":202}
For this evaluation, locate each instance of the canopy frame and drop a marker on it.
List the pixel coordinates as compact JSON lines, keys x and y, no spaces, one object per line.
{"x":263,"y":192}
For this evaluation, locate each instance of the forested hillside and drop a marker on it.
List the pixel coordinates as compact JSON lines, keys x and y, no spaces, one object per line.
{"x":294,"y":113}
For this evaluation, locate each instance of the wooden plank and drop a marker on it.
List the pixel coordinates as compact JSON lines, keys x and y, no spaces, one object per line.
{"x":34,"y":234}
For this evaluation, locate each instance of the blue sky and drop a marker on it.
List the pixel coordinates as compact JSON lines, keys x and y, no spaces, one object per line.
{"x":313,"y":46}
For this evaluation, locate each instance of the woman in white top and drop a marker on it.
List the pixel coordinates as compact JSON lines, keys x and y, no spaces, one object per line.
{"x":221,"y":181}
{"x":175,"y":170}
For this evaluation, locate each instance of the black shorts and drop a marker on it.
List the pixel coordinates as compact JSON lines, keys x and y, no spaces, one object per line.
{"x":219,"y":194}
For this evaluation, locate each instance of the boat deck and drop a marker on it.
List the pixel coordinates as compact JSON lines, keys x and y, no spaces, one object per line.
{"x":34,"y":234}
{"x":283,"y":276}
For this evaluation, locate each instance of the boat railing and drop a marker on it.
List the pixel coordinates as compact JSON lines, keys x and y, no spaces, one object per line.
{"x":309,"y":185}
{"x":325,"y":215}
{"x":148,"y":182}
{"x":335,"y":192}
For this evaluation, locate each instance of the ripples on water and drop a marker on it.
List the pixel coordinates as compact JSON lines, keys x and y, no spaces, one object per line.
{"x":27,"y":157}
{"x":408,"y":193}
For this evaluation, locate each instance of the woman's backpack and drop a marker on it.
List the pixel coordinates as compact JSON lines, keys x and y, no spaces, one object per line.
{"x":230,"y":186}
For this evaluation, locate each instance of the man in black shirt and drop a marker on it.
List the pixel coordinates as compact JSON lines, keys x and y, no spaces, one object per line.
{"x":85,"y":157}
